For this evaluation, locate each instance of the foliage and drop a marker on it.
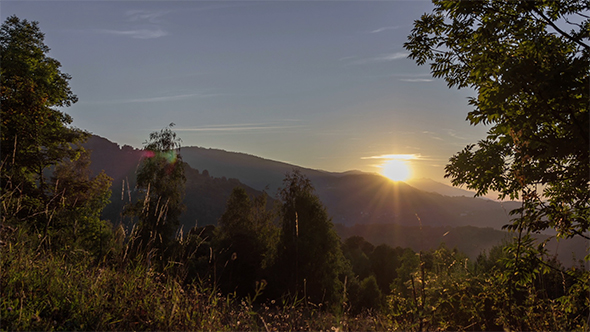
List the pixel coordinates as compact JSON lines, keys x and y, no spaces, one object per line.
{"x":531,"y":80}
{"x":34,"y":132}
{"x":309,"y":260}
{"x":56,"y":292}
{"x":357,"y":251}
{"x":370,"y":294}
{"x":46,"y":182}
{"x":78,"y":203}
{"x":160,"y":181}
{"x":247,"y":241}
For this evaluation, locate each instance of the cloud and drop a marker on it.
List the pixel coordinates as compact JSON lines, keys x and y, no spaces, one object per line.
{"x":143,"y":24}
{"x":453,"y":134}
{"x":139,"y":15}
{"x":241,"y":127}
{"x":432,"y":135}
{"x":381,"y":58}
{"x":156,"y":99}
{"x":393,"y":56}
{"x":416,"y":80}
{"x":384,"y":29}
{"x":413,"y":156}
{"x":170,"y":98}
{"x":138,"y":33}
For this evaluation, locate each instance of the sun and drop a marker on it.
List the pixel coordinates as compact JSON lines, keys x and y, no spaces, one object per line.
{"x":396,"y":170}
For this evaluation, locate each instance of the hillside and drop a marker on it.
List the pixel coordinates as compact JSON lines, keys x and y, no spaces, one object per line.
{"x":350,"y":198}
{"x":205,"y":199}
{"x":467,"y":239}
{"x":357,"y":197}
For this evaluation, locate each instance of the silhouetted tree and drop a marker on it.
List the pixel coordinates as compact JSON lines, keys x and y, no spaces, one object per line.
{"x":160,"y":181}
{"x":370,"y":296}
{"x":78,"y":202}
{"x":384,"y":262}
{"x":247,"y":240}
{"x":310,"y":260}
{"x":357,"y":250}
{"x":34,"y":132}
{"x":531,"y":80}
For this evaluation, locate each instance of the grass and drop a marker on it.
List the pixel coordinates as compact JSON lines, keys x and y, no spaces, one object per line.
{"x":65,"y":291}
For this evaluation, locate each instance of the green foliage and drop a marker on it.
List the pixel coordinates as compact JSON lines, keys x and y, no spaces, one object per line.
{"x":370,"y":294}
{"x":309,"y":260}
{"x":531,"y":80}
{"x":356,"y":250}
{"x":46,"y":181}
{"x":34,"y":133}
{"x":246,"y":243}
{"x":160,"y":181}
{"x":78,"y":203}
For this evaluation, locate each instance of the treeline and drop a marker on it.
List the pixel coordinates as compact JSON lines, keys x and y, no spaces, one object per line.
{"x":261,"y":268}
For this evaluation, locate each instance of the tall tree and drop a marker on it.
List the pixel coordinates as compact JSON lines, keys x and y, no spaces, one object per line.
{"x":528,"y":63}
{"x":246,"y":242}
{"x":161,"y":182}
{"x":34,"y":132}
{"x":310,"y":260}
{"x":78,"y":202}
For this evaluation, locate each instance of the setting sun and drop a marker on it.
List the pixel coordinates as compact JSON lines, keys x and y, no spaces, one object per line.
{"x":396,"y":170}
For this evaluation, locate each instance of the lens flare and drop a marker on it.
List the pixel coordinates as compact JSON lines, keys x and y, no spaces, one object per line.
{"x":171,"y":156}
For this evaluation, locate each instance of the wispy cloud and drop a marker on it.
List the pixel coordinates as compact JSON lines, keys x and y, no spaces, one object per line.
{"x":138,"y":33}
{"x":413,"y":156}
{"x":385,"y":29}
{"x":240,"y":127}
{"x":454,"y":134}
{"x":393,"y":56}
{"x":416,"y":80}
{"x":381,"y":58}
{"x":171,"y":98}
{"x":432,"y":135}
{"x":143,"y":24}
{"x":140,"y":15}
{"x":157,"y":99}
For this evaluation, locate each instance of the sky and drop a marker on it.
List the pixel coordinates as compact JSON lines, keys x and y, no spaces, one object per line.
{"x":319,"y":84}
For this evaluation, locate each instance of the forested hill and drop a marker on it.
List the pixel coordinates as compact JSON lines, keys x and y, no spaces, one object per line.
{"x":205,"y":199}
{"x":357,"y":197}
{"x":350,"y":198}
{"x":254,"y":171}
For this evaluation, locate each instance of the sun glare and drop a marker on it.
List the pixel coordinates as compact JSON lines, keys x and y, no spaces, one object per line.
{"x":396,"y":170}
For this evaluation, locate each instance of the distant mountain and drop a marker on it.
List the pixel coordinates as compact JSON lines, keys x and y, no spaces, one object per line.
{"x":350,"y":198}
{"x":205,"y":199}
{"x":366,"y":204}
{"x":259,"y":173}
{"x":374,"y":199}
{"x":432,"y":186}
{"x":467,"y":239}
{"x":356,"y":197}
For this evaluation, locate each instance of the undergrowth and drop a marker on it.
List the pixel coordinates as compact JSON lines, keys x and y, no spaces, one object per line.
{"x":44,"y":290}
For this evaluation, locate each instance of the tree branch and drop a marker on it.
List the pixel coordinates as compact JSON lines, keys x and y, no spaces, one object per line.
{"x":548,"y":21}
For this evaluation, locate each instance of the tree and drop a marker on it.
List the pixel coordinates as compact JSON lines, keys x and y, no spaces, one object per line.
{"x":160,"y":181}
{"x":309,"y":260}
{"x":34,"y":132}
{"x":357,"y":251}
{"x":78,"y":202}
{"x":246,"y":242}
{"x":531,"y":80}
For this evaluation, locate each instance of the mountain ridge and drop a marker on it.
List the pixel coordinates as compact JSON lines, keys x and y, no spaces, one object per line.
{"x":350,"y":198}
{"x":359,"y":203}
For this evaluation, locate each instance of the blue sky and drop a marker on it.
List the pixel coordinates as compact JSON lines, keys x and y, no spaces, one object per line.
{"x":320,"y":84}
